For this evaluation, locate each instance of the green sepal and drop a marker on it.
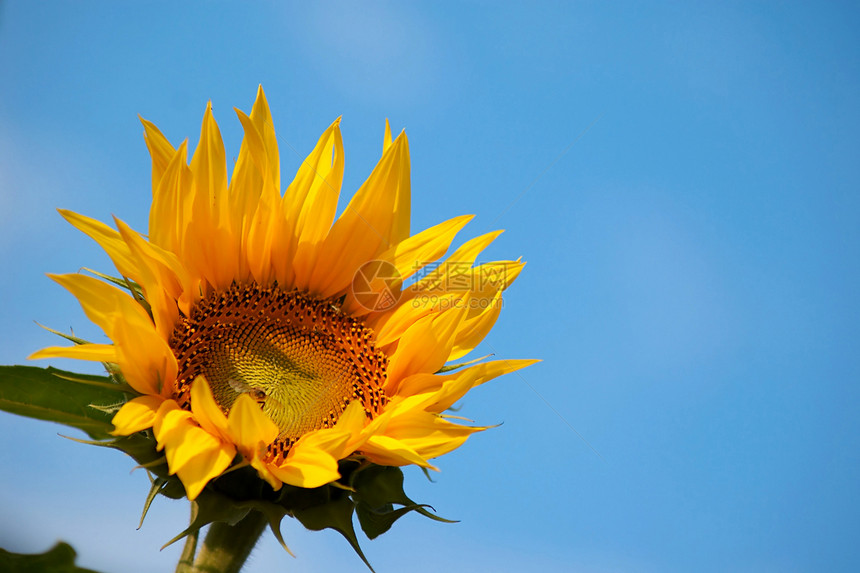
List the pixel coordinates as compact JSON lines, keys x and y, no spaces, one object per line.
{"x":109,"y":409}
{"x":110,"y":367}
{"x":142,"y":448}
{"x":58,"y":396}
{"x":376,"y":522}
{"x":157,"y":484}
{"x":426,"y":473}
{"x":210,"y":507}
{"x":69,"y":337}
{"x":337,"y":515}
{"x":132,"y":287}
{"x":377,"y":490}
{"x":58,"y":559}
{"x":452,"y":367}
{"x":275,"y":515}
{"x":366,"y":491}
{"x":381,"y":485}
{"x":124,"y":282}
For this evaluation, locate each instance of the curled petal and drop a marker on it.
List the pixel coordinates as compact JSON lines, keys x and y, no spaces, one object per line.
{"x":249,"y":428}
{"x":136,"y":415}
{"x":388,"y":451}
{"x":206,"y":411}
{"x":307,"y":466}
{"x":425,"y":347}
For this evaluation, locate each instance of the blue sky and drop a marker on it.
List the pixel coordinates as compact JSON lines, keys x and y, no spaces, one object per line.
{"x":682,"y":178}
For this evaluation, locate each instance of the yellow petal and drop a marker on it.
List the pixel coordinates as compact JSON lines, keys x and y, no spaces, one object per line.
{"x":414,"y":253}
{"x":136,"y":415}
{"x":455,"y":387}
{"x":211,"y":222}
{"x":376,"y":218}
{"x":425,"y":347}
{"x":310,"y":203}
{"x":262,"y":118}
{"x":388,"y":451}
{"x":464,"y":256}
{"x":265,"y":473}
{"x":247,"y":181}
{"x":160,"y":150}
{"x":307,"y":467}
{"x":256,"y":175}
{"x":266,"y":238}
{"x":422,"y":383}
{"x":170,"y":423}
{"x":427,"y":294}
{"x":250,"y":429}
{"x":428,"y":434}
{"x":94,"y":352}
{"x":330,"y":440}
{"x":206,"y":411}
{"x":144,"y":357}
{"x":165,"y":265}
{"x":171,"y":205}
{"x":161,"y":284}
{"x":207,"y":464}
{"x":187,"y":446}
{"x":246,"y":426}
{"x":194,"y":454}
{"x":130,"y":263}
{"x":389,"y":326}
{"x":209,"y":167}
{"x":498,"y":274}
{"x":108,"y":239}
{"x":104,"y":304}
{"x":339,"y":441}
{"x":256,"y":195}
{"x":351,"y":423}
{"x":473,"y":330}
{"x":386,"y":138}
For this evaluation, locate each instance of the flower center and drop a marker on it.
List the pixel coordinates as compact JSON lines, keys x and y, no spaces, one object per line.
{"x":301,"y":359}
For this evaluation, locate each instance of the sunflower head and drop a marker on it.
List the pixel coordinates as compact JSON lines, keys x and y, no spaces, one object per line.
{"x":257,"y":331}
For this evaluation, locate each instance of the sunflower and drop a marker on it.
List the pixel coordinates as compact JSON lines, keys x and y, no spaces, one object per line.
{"x":254,"y":328}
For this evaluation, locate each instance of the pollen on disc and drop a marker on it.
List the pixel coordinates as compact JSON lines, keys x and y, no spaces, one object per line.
{"x":301,"y":359}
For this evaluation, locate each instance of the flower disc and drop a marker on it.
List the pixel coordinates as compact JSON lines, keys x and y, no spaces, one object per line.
{"x":300,"y":359}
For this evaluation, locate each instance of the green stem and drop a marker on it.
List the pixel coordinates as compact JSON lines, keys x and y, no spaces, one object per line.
{"x":186,"y":560}
{"x":226,"y":547}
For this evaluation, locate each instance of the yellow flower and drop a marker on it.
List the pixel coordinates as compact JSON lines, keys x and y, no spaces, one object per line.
{"x":257,"y":325}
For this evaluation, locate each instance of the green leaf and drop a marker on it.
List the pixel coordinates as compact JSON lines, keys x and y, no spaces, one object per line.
{"x":59,"y":559}
{"x":59,"y":396}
